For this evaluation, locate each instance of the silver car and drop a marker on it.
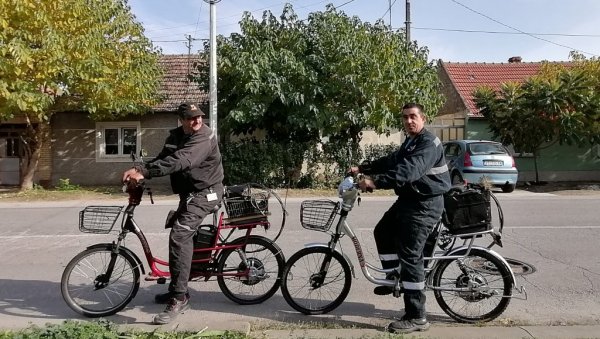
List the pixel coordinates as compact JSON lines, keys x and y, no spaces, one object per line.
{"x":476,"y":161}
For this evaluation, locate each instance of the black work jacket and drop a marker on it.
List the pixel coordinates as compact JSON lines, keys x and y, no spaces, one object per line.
{"x":193,"y":161}
{"x":417,"y":169}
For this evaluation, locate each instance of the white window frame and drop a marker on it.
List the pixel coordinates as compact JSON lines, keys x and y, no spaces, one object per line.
{"x":101,"y":155}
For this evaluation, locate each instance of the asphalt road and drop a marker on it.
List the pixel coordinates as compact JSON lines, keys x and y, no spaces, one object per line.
{"x":558,"y":235}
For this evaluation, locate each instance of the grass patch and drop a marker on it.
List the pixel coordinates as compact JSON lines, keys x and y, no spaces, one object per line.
{"x":74,"y":193}
{"x":104,"y":329}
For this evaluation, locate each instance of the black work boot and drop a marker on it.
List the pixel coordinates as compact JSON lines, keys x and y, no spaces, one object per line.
{"x":385,"y":290}
{"x":174,"y":308}
{"x":408,"y":325}
{"x":164,"y":298}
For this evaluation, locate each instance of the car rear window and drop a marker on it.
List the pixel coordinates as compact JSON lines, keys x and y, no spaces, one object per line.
{"x":486,"y":148}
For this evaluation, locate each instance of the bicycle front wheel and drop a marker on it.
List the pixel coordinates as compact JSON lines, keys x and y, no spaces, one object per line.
{"x":476,"y":288}
{"x":316,"y":280}
{"x":255,"y":279}
{"x":90,"y":292}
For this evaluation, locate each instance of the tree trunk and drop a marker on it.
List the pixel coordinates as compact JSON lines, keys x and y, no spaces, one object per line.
{"x":32,"y":142}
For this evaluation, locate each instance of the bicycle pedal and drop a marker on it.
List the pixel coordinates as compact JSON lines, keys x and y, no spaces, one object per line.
{"x":161,"y":280}
{"x":151,"y":277}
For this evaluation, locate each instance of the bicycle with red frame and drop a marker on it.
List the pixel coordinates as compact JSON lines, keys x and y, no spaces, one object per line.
{"x":105,"y":277}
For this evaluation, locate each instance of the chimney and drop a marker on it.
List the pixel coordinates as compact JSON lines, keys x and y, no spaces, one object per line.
{"x":514,"y":60}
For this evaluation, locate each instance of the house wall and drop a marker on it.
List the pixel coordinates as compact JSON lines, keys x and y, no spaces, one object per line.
{"x":555,"y":163}
{"x":449,"y":124}
{"x":74,"y":148}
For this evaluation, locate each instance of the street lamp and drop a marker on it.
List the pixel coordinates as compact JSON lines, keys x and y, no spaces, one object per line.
{"x":212,"y":81}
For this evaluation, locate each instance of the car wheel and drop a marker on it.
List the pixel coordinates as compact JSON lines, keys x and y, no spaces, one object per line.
{"x":508,"y":188}
{"x":457,"y":179}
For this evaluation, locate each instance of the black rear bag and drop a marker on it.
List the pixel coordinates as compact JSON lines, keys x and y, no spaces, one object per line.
{"x":467,"y":210}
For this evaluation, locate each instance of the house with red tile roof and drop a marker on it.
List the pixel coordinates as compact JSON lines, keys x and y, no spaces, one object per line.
{"x":79,"y":146}
{"x":459,"y":118}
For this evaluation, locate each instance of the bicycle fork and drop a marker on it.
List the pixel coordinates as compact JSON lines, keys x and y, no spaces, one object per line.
{"x":103,"y":279}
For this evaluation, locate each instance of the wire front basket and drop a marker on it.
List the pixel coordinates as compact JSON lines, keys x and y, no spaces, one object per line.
{"x":98,"y":219}
{"x":244,"y":200}
{"x":318,"y":215}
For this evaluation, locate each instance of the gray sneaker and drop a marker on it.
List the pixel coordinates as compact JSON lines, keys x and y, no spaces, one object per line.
{"x":408,"y":325}
{"x":174,"y":307}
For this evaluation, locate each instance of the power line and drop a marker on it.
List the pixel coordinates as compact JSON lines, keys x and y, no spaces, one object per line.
{"x":504,"y":32}
{"x":388,"y":10}
{"x":520,"y":31}
{"x":236,"y":23}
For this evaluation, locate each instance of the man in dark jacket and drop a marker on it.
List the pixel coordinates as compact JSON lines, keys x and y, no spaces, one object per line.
{"x":418,"y":174}
{"x":192,"y":158}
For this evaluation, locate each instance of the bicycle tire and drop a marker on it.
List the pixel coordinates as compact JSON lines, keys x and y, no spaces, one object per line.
{"x":310,"y":293}
{"x":484,"y":269}
{"x":85,"y":295}
{"x":267,"y":262}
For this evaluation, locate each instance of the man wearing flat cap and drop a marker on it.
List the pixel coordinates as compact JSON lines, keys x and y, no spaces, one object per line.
{"x":192,"y":158}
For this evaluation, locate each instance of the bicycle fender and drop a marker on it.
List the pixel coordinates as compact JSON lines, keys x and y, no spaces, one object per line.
{"x":492,"y":252}
{"x":242,"y":239}
{"x":124,"y":249}
{"x":318,"y":244}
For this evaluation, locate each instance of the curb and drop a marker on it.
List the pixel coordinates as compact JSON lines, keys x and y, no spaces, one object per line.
{"x":466,"y":332}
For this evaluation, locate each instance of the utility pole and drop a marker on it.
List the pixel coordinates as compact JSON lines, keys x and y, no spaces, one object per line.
{"x":407,"y":23}
{"x":390,"y":10}
{"x":188,"y":44}
{"x":212,"y":81}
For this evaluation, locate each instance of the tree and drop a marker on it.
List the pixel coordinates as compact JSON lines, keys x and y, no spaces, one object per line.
{"x":559,"y":105}
{"x":328,"y":76}
{"x":71,"y":55}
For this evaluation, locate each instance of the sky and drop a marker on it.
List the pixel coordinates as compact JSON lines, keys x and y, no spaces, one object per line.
{"x":452,"y":30}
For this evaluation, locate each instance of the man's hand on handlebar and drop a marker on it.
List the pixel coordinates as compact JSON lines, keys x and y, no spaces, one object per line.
{"x":132,"y":173}
{"x":366,"y":184}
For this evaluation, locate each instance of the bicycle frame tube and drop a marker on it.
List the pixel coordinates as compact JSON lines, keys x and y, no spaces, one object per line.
{"x":364,"y":266}
{"x":131,"y":226}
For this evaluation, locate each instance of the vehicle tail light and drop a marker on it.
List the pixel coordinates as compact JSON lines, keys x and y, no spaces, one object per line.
{"x":468,"y":162}
{"x":514,"y":164}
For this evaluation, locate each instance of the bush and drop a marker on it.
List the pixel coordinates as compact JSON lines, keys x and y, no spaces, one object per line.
{"x":281,"y":165}
{"x":271,"y":164}
{"x":65,"y":185}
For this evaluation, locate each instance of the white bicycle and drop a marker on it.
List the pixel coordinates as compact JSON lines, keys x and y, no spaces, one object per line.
{"x":470,"y":283}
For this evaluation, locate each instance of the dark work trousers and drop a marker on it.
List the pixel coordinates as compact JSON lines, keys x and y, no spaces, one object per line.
{"x":191,"y":211}
{"x":400,"y":236}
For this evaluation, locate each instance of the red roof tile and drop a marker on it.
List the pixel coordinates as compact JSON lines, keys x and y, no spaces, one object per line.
{"x":175,"y":87}
{"x":466,"y":77}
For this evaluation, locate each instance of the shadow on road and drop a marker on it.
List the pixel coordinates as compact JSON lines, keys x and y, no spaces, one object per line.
{"x":39,"y":301}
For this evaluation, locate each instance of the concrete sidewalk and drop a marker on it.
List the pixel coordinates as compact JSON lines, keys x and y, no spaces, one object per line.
{"x":563,"y":332}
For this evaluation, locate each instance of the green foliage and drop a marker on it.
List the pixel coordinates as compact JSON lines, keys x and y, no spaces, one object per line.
{"x":69,"y":329}
{"x":65,"y":185}
{"x":328,"y":76}
{"x":373,"y":152}
{"x":543,"y":110}
{"x":103,"y":329}
{"x":72,"y":55}
{"x":295,"y":165}
{"x":268,"y":163}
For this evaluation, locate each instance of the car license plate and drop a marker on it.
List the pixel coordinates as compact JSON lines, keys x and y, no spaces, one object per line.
{"x":493,"y":163}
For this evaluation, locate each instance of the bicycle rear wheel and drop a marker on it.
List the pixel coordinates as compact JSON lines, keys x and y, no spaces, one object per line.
{"x":312,"y":286}
{"x":477,"y":288}
{"x":89,"y":292}
{"x":265,"y":262}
